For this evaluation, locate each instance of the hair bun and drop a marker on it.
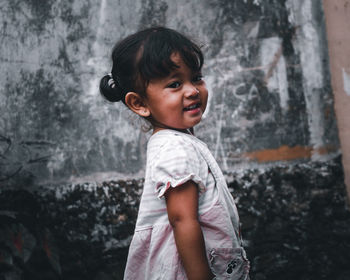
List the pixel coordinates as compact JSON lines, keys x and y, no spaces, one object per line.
{"x":110,"y":90}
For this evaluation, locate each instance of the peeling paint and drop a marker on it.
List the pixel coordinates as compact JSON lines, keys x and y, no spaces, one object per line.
{"x":275,"y":68}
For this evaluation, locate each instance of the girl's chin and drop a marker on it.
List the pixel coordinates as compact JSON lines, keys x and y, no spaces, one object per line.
{"x":194,"y":122}
{"x":188,"y":122}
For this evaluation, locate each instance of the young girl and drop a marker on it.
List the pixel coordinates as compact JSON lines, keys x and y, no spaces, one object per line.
{"x":187,"y":225}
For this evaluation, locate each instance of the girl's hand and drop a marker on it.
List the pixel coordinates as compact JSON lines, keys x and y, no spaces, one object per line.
{"x":182,"y":207}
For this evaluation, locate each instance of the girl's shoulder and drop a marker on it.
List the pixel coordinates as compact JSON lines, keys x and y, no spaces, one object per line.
{"x":172,"y":142}
{"x":173,"y":137}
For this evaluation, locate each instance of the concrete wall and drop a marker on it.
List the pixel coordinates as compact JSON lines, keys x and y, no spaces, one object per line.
{"x":266,"y":68}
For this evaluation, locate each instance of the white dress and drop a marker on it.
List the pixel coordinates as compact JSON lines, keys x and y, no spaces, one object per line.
{"x":174,"y":158}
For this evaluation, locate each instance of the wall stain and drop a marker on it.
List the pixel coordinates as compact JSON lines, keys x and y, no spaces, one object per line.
{"x":154,"y":13}
{"x":285,"y":153}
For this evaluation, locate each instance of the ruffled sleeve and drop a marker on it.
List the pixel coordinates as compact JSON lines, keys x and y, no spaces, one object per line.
{"x":176,"y":163}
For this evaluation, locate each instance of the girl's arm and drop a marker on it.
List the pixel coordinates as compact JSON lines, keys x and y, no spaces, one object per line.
{"x":182,"y":207}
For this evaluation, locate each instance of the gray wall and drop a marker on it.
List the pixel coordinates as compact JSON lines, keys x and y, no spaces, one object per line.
{"x":266,"y":68}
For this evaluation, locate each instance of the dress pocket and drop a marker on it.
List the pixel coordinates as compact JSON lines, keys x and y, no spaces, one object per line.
{"x":229,"y":263}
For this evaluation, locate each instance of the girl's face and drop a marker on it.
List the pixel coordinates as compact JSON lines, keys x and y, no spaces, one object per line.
{"x":178,"y":100}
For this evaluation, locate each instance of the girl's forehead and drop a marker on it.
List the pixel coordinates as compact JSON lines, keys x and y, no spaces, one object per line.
{"x":172,"y":66}
{"x":176,"y":58}
{"x":180,"y":63}
{"x":181,"y":70}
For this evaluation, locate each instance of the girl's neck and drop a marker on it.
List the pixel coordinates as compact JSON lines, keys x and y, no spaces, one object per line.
{"x":187,"y":131}
{"x":157,"y":126}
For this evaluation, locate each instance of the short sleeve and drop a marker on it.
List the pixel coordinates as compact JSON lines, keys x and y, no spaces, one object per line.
{"x":176,"y":163}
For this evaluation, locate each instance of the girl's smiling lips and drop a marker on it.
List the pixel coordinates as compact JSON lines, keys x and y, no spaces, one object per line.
{"x":193,"y":107}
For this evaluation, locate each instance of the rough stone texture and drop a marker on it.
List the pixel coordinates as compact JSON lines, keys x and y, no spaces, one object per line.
{"x":295,"y":224}
{"x":296,"y":221}
{"x":266,"y":69}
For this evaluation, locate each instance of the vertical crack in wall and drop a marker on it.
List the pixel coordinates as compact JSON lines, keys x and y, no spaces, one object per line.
{"x":96,"y":63}
{"x":218,"y":146}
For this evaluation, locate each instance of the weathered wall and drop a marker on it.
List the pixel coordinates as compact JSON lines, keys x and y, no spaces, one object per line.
{"x":266,"y":69}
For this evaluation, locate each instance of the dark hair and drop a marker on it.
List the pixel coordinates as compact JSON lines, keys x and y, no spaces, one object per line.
{"x":144,"y":56}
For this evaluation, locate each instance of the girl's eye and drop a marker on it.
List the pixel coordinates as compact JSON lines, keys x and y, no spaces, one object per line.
{"x":174,"y":85}
{"x":198,"y":78}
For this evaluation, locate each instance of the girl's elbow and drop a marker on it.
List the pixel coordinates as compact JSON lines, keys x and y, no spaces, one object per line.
{"x":179,"y":221}
{"x":175,"y":221}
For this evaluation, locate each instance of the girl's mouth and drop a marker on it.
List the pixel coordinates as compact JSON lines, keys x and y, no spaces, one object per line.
{"x":192,"y":107}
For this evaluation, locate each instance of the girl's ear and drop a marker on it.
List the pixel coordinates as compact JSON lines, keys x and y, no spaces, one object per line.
{"x":136,"y":103}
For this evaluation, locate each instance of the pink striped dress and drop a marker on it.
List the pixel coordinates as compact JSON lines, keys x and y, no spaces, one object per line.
{"x":173,"y":158}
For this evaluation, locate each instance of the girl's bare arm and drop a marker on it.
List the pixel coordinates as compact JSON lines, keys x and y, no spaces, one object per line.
{"x":182,"y":207}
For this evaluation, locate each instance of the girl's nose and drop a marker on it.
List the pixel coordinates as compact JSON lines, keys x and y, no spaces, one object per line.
{"x":192,"y":91}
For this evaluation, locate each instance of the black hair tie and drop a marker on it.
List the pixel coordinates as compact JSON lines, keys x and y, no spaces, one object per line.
{"x":110,"y":89}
